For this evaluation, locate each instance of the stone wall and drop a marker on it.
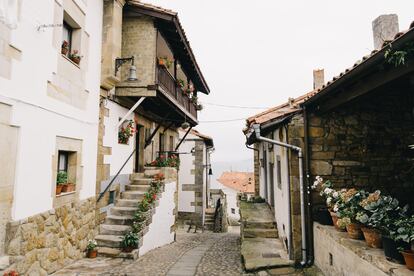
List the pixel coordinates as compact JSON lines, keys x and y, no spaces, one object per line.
{"x":139,"y":38}
{"x":365,"y":144}
{"x":44,"y":243}
{"x":295,"y":137}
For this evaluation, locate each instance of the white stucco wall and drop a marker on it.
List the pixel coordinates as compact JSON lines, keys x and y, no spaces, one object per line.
{"x":42,"y":118}
{"x":120,"y":152}
{"x":185,"y":176}
{"x":159,"y":232}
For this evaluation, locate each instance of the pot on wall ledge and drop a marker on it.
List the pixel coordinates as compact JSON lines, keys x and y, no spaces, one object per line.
{"x":335,"y":221}
{"x":409,"y":259}
{"x":59,"y":189}
{"x":92,"y":254}
{"x":372,"y":237}
{"x":391,"y":249}
{"x":354,"y":231}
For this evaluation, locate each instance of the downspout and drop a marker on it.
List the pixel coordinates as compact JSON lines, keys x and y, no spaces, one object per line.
{"x":311,"y":257}
{"x":290,"y":201}
{"x":256,"y":128}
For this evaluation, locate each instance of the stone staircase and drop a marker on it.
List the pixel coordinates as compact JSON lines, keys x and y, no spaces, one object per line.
{"x":209,"y":219}
{"x":120,"y":217}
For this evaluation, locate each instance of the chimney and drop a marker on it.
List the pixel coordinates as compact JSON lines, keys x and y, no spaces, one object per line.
{"x":384,"y":28}
{"x":318,"y":78}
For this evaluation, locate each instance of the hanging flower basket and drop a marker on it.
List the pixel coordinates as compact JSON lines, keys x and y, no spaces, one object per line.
{"x":126,"y":131}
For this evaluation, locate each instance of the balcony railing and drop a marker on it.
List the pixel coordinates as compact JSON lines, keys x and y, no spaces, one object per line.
{"x":169,"y":84}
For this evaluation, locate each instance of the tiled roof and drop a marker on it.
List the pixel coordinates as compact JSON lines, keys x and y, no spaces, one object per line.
{"x":239,"y":181}
{"x":294,"y":105}
{"x":151,"y":7}
{"x":280,"y":111}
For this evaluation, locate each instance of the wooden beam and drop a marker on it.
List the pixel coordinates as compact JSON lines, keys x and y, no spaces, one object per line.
{"x":365,"y":86}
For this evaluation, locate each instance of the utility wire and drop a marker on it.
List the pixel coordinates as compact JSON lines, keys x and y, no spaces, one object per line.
{"x":236,"y":106}
{"x":223,"y":121}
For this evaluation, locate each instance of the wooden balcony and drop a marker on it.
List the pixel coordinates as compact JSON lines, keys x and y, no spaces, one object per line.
{"x":169,"y":86}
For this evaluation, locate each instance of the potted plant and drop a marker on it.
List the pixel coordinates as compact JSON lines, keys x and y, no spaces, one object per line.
{"x":75,"y":57}
{"x":181,"y":83}
{"x":371,"y":229}
{"x":348,"y":208}
{"x":129,"y":242}
{"x":91,"y":250}
{"x":126,"y":131}
{"x":11,"y":273}
{"x":65,"y":48}
{"x":165,"y":61}
{"x":405,"y":233}
{"x":199,"y":107}
{"x":61,"y":182}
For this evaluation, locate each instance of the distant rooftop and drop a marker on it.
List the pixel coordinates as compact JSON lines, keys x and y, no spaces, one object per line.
{"x":239,"y":181}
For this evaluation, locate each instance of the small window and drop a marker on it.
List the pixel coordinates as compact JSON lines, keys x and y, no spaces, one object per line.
{"x":171,"y":143}
{"x":67,"y":32}
{"x":233,"y":211}
{"x":279,"y":172}
{"x":63,"y":161}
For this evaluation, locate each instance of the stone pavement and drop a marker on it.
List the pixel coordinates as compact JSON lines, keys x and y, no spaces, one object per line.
{"x":193,"y":254}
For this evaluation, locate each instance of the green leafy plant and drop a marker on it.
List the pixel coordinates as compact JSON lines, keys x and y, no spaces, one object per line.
{"x":62,"y":178}
{"x":144,"y":206}
{"x":92,"y":244}
{"x":139,"y":216}
{"x":404,"y":229}
{"x":348,"y":205}
{"x":130,"y":240}
{"x":163,"y":161}
{"x":137,"y":227}
{"x":399,"y":57}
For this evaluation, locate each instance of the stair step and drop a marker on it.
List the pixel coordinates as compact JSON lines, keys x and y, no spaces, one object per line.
{"x":136,"y":175}
{"x":141,"y":181}
{"x":110,"y":229}
{"x":127,"y":203}
{"x":111,"y":241}
{"x":262,"y":225}
{"x":151,"y":172}
{"x":137,"y":195}
{"x":123,"y":211}
{"x":260,"y":233}
{"x":118,"y":220}
{"x":109,"y":252}
{"x":137,"y":187}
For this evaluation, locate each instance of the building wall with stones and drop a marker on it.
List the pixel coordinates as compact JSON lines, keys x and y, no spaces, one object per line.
{"x":192,"y":181}
{"x":46,"y":242}
{"x":364,"y":144}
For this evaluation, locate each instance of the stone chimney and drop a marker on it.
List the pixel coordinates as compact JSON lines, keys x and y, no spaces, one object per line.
{"x":384,"y":28}
{"x":318,"y":78}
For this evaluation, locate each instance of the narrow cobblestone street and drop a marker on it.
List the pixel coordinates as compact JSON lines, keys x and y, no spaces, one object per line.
{"x":193,"y":254}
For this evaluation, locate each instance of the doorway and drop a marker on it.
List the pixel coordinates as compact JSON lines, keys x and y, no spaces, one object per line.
{"x":139,"y":146}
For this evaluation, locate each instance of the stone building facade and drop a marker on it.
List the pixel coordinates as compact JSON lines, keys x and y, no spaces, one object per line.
{"x":194,"y":177}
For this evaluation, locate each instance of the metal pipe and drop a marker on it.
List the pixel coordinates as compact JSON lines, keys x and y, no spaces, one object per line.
{"x":290,"y":238}
{"x":256,"y":128}
{"x":132,"y":109}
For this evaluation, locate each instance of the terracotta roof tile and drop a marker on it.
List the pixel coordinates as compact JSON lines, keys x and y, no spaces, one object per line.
{"x":239,"y":181}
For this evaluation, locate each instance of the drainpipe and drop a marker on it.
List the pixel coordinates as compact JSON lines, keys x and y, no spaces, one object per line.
{"x":289,"y":200}
{"x":256,"y":128}
{"x":311,"y":257}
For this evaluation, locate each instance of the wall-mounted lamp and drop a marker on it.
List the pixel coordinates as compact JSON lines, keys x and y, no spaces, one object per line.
{"x":132,"y":70}
{"x":210,"y":171}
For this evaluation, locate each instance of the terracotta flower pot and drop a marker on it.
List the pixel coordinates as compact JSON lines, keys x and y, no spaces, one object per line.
{"x":59,"y":189}
{"x":372,"y":237}
{"x":64,"y":51}
{"x":128,"y":249}
{"x":391,"y":249}
{"x":64,"y":188}
{"x":76,"y":60}
{"x":71,"y":187}
{"x":409,"y":259}
{"x":161,"y":62}
{"x":92,"y":254}
{"x":335,"y":222}
{"x":354,"y":231}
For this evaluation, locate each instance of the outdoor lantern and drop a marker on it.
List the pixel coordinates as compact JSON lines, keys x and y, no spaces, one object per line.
{"x":210,"y":172}
{"x":185,"y":125}
{"x":132,"y":76}
{"x":132,"y":72}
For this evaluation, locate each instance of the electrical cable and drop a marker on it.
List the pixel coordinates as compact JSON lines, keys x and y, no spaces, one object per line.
{"x":235,"y":106}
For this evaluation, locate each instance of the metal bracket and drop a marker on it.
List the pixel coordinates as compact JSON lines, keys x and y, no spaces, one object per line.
{"x":120,"y":61}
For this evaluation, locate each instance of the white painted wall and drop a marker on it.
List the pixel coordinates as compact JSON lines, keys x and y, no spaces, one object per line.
{"x":42,"y":118}
{"x":159,"y":230}
{"x":185,"y":177}
{"x":231,"y":197}
{"x":120,"y":152}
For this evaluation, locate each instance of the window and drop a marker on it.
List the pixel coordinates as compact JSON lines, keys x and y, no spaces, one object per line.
{"x":233,"y":211}
{"x":172,"y":143}
{"x":63,"y":161}
{"x":162,"y":143}
{"x":66,"y":39}
{"x":279,"y":172}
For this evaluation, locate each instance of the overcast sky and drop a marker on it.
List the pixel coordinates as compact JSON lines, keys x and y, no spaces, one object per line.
{"x":259,"y":53}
